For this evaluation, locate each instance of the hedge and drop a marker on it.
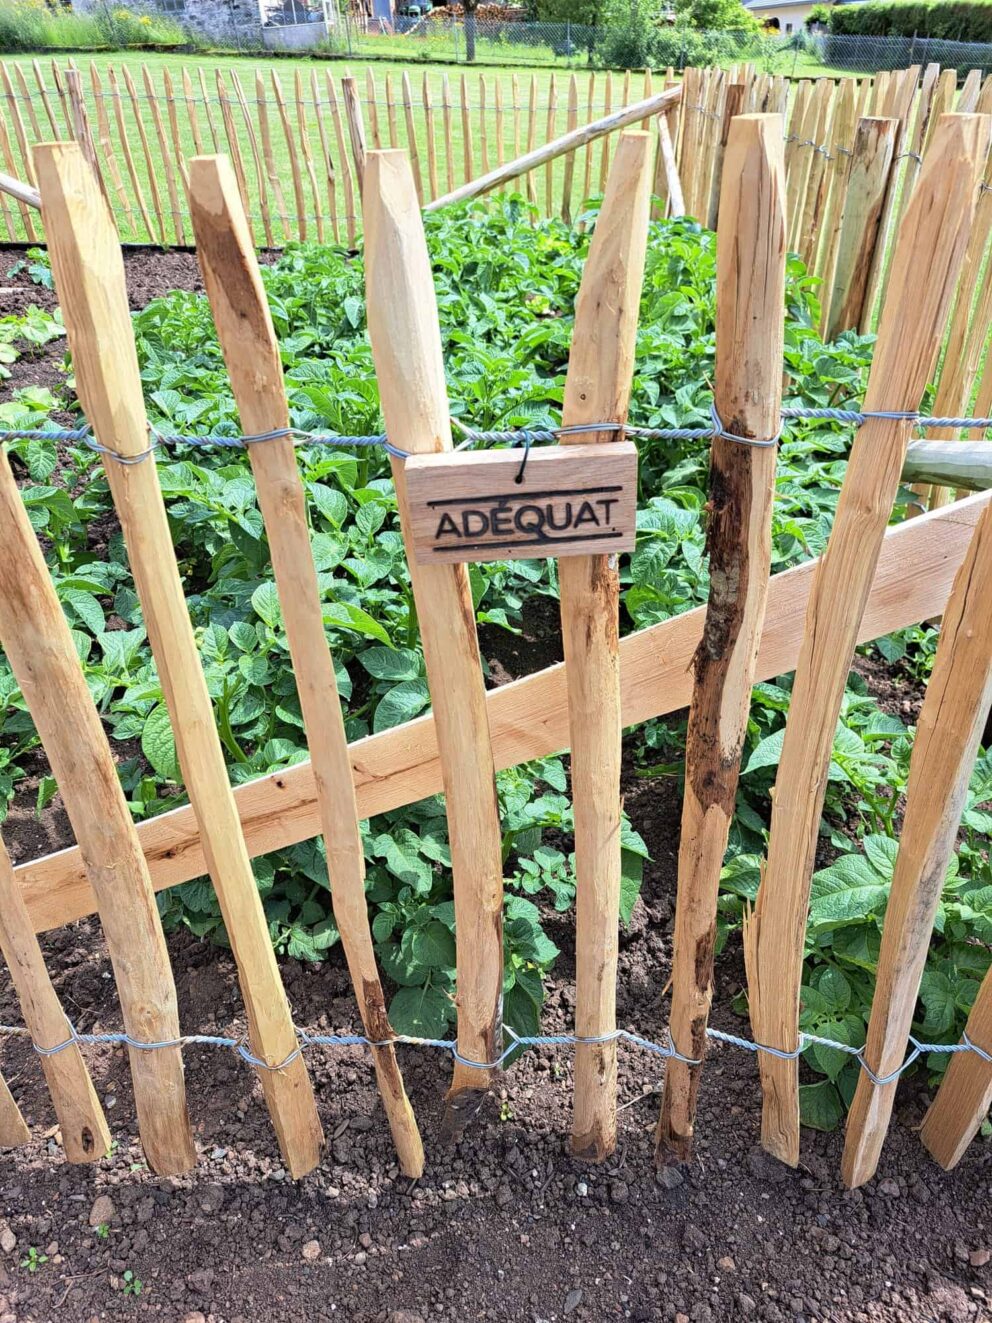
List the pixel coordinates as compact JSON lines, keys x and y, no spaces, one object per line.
{"x":947,"y":20}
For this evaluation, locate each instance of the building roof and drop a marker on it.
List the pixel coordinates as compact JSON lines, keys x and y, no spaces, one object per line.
{"x":779,"y":4}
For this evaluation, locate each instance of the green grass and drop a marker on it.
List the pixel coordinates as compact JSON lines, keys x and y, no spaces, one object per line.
{"x":387,"y":110}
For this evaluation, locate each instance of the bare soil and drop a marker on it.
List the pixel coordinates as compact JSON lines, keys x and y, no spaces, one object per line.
{"x":505,"y":1226}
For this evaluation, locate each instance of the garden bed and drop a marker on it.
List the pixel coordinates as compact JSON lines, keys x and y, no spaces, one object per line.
{"x":505,"y":1225}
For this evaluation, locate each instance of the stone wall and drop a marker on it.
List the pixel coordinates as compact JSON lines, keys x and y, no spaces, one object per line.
{"x":225,"y":19}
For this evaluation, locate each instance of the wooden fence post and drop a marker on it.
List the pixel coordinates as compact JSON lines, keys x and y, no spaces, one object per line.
{"x":927,"y":258}
{"x":13,"y":1127}
{"x":748,"y":397}
{"x":959,"y":693}
{"x":349,"y":188}
{"x":406,"y":347}
{"x":867,"y":182}
{"x":85,"y":1137}
{"x":248,"y":341}
{"x":733,"y":105}
{"x":151,"y":172}
{"x":81,"y":127}
{"x":965,"y":1094}
{"x":115,"y":95}
{"x":841,"y":150}
{"x":356,"y":128}
{"x":571,"y":124}
{"x":268,"y":153}
{"x":39,"y":647}
{"x":89,"y":277}
{"x":597,"y":389}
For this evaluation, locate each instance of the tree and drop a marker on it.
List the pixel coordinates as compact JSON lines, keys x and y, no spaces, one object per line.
{"x":470,"y":7}
{"x":716,"y":15}
{"x":586,"y":13}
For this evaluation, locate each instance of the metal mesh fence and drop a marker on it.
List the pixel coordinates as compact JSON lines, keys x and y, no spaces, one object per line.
{"x":441,"y":37}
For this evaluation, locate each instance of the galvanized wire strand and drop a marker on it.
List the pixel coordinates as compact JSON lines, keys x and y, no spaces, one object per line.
{"x":522,"y":436}
{"x":516,"y":1043}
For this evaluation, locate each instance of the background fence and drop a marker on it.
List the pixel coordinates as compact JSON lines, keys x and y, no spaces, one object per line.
{"x":293,"y":139}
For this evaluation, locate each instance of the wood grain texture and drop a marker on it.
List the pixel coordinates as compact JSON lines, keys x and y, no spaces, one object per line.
{"x":356,"y":128}
{"x":965,"y":1094}
{"x":528,"y":718}
{"x":494,"y":505}
{"x":85,"y":1136}
{"x":867,"y":182}
{"x":749,"y":332}
{"x":248,"y":341}
{"x":597,"y":389}
{"x":406,"y":348}
{"x":89,"y":277}
{"x":38,"y":645}
{"x":955,"y":709}
{"x":13,"y":1127}
{"x":927,"y":258}
{"x":841,"y":146}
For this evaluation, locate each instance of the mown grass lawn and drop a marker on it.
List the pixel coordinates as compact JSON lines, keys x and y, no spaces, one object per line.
{"x":500,"y":123}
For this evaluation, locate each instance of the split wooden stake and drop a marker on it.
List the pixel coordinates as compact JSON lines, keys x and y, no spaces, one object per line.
{"x":119,"y":119}
{"x":39,"y":647}
{"x":749,"y":333}
{"x":356,"y":128}
{"x":89,"y":276}
{"x":965,"y":1094}
{"x":248,"y":341}
{"x":733,"y":105}
{"x":13,"y":1127}
{"x":85,"y":1136}
{"x":597,"y":388}
{"x":958,"y":697}
{"x":925,"y":266}
{"x":864,"y":200}
{"x":406,"y":348}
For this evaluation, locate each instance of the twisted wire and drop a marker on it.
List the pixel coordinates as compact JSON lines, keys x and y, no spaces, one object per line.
{"x":516,"y":1042}
{"x":522,"y":436}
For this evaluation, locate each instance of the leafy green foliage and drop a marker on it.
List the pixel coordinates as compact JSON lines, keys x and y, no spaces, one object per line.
{"x":949,"y":20}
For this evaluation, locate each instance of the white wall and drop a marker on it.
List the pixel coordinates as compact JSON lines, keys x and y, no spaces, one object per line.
{"x":791,"y":18}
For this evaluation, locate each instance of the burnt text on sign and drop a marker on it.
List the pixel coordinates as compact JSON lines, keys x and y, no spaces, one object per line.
{"x":565,"y":501}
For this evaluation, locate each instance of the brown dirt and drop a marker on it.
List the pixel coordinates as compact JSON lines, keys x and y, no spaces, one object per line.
{"x":506,"y":1226}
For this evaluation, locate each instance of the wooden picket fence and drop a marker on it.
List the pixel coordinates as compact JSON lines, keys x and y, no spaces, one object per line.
{"x":755,"y":625}
{"x":297,"y":146}
{"x":854,"y":148}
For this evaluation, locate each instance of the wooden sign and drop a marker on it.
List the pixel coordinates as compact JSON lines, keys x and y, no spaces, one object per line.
{"x":565,"y":501}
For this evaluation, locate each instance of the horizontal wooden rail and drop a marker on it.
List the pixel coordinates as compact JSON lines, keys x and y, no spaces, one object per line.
{"x":966,"y":465}
{"x":568,"y":142}
{"x":528,"y":718}
{"x":22,"y":192}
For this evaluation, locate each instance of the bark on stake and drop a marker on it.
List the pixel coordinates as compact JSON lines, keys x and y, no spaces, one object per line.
{"x":406,"y":347}
{"x":597,"y":388}
{"x":925,"y":266}
{"x":89,"y":275}
{"x":749,"y":334}
{"x":248,"y":340}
